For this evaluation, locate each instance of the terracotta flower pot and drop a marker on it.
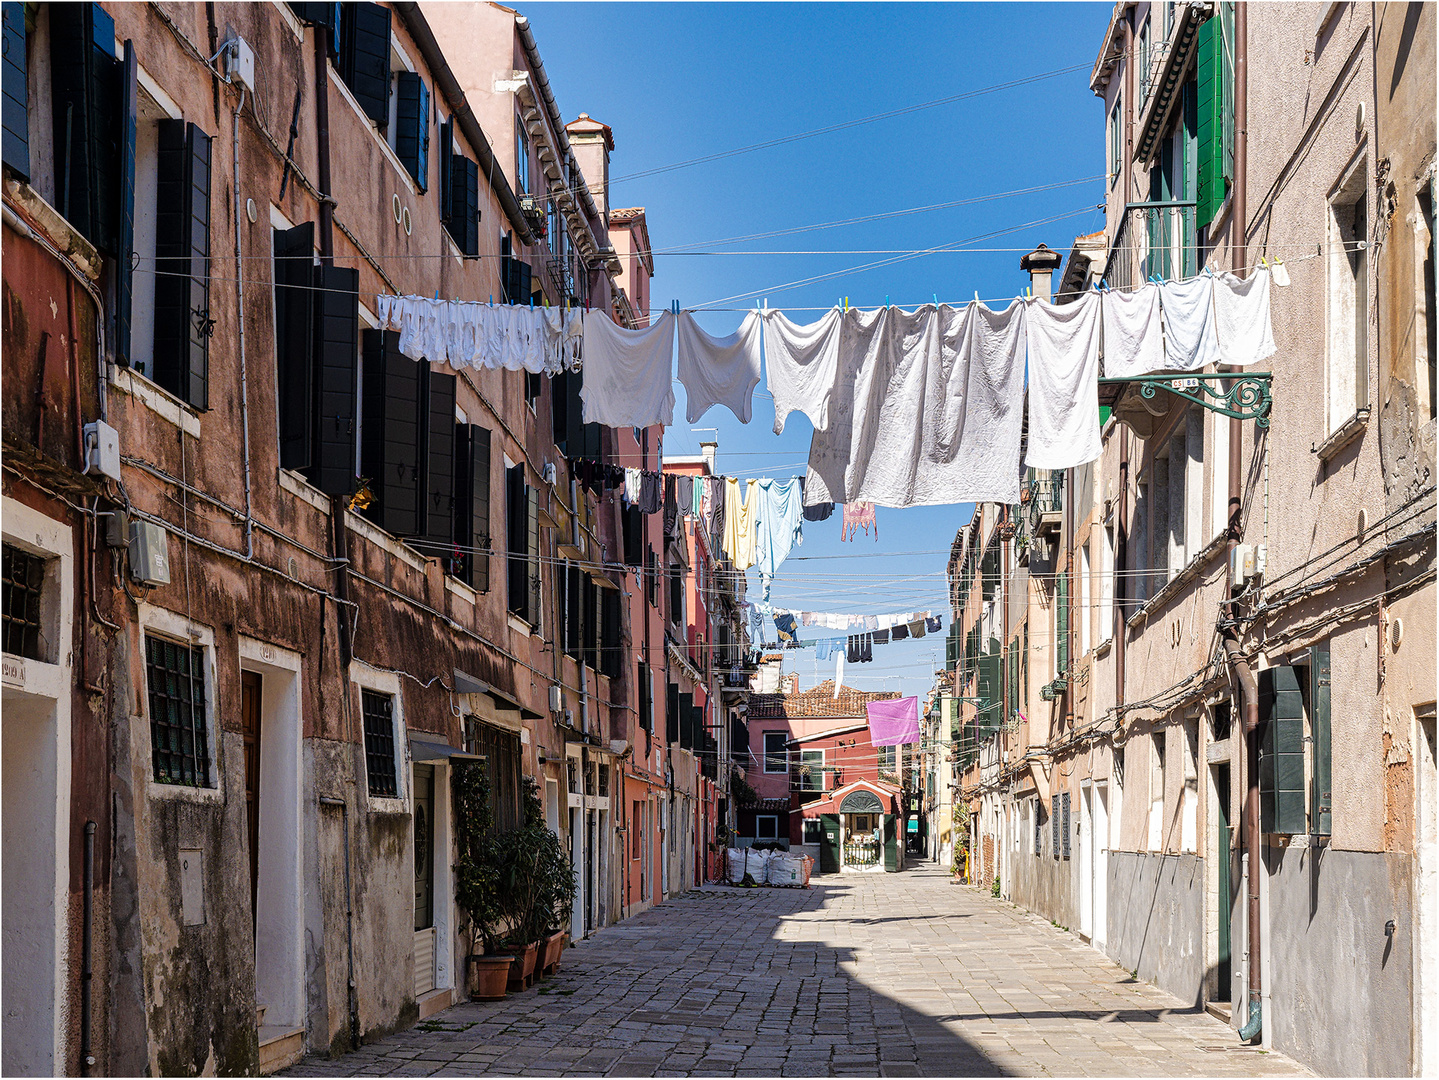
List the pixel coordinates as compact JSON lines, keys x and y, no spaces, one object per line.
{"x":488,"y":976}
{"x":554,"y":948}
{"x":522,"y":973}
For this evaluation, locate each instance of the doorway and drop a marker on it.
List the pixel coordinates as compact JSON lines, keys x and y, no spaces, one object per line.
{"x":250,"y":733}
{"x":577,"y":860}
{"x":1223,"y":963}
{"x":1427,"y":833}
{"x":1099,"y":845}
{"x":1086,"y":862}
{"x":424,"y":834}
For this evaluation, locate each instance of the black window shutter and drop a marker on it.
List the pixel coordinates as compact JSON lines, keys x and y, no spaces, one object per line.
{"x":294,"y":342}
{"x":324,"y":15}
{"x":84,"y":93}
{"x":633,"y":523}
{"x":447,"y":187}
{"x":391,"y":437}
{"x":472,"y":503}
{"x":592,"y":623}
{"x":559,"y":404}
{"x":672,"y":713}
{"x":182,"y":257}
{"x":336,"y":404}
{"x":438,"y":518}
{"x":687,"y":722}
{"x":574,"y":614}
{"x":365,"y":58}
{"x":611,"y":656}
{"x":412,"y":120}
{"x":15,"y":88}
{"x":516,"y":530}
{"x":464,"y":204}
{"x":124,"y":269}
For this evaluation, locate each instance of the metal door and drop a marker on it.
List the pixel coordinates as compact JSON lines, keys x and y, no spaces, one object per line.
{"x":891,"y":844}
{"x":829,"y":844}
{"x":1226,"y":888}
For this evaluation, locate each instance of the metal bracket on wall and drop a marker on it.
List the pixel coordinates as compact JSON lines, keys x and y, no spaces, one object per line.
{"x":1244,"y":395}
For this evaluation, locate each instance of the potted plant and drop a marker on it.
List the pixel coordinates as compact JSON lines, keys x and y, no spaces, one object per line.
{"x":538,"y":885}
{"x":478,"y":888}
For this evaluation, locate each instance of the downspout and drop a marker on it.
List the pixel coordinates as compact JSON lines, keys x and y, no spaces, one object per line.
{"x":1239,"y":237}
{"x":240,"y":311}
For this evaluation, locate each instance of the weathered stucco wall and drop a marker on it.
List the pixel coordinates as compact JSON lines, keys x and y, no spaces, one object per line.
{"x":1156,"y":919}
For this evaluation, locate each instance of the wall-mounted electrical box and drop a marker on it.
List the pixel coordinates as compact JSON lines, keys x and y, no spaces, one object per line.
{"x":102,"y":449}
{"x":557,"y":699}
{"x":149,"y":553}
{"x":1241,"y":563}
{"x":239,"y":61}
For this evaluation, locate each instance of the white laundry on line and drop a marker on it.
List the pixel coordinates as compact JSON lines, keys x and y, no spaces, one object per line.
{"x":719,"y":371}
{"x":627,"y":379}
{"x":1133,"y":332}
{"x":1063,"y":383}
{"x":1241,"y":318}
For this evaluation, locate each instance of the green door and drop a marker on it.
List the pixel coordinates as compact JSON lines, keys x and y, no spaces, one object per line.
{"x":891,"y":844}
{"x":1226,"y":894}
{"x":829,"y":844}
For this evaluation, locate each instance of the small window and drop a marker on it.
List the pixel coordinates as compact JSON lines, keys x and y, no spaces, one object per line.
{"x":1156,"y":793}
{"x":1116,"y":139}
{"x":1424,"y":344}
{"x":766,"y":827}
{"x":776,"y":757}
{"x":1348,"y":304}
{"x":24,"y":576}
{"x":636,"y":829}
{"x":811,"y":765}
{"x":179,"y":735}
{"x":522,"y":157}
{"x":813,"y":831}
{"x":886,"y":759}
{"x":1036,"y":808}
{"x":379,"y":719}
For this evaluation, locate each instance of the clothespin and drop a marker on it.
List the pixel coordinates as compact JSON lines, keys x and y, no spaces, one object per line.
{"x":936,"y":300}
{"x":437,"y":294}
{"x":886,"y":299}
{"x":976,"y":296}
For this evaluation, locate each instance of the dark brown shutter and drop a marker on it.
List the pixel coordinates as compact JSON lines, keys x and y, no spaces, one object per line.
{"x":335,"y":405}
{"x":516,"y":527}
{"x":365,"y":58}
{"x":391,"y":447}
{"x":611,"y":654}
{"x":294,"y":342}
{"x":472,"y":503}
{"x":182,"y":263}
{"x":672,"y":713}
{"x":439,"y":462}
{"x":125,"y":268}
{"x":84,"y":99}
{"x":15,"y":88}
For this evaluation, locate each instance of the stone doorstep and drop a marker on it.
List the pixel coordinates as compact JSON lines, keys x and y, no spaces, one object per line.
{"x":280,"y":1047}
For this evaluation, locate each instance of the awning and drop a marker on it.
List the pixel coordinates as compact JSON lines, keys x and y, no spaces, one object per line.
{"x":425,"y":748}
{"x":468,"y":684}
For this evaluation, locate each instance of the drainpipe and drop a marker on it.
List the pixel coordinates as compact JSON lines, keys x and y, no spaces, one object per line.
{"x":354,"y":1004}
{"x":86,"y":942}
{"x":1121,"y":559}
{"x":240,"y":311}
{"x":1238,"y":231}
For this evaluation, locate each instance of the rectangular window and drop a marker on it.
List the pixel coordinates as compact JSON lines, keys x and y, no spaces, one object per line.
{"x":182,"y":263}
{"x":1189,"y":810}
{"x":1219,"y":476}
{"x":886,"y":759}
{"x":1036,"y":809}
{"x":410,"y":131}
{"x":522,"y":158}
{"x":1348,"y":303}
{"x":1066,"y":830}
{"x":1156,"y":793}
{"x":1086,"y":605}
{"x":636,"y":829}
{"x":294,"y":278}
{"x":363,"y":63}
{"x":811,"y":770}
{"x":501,"y":751}
{"x":1116,"y":139}
{"x":472,"y":506}
{"x":776,"y":756}
{"x":1054,"y":820}
{"x":1425,"y":382}
{"x":766,"y":827}
{"x":179,"y":732}
{"x":813,"y":831}
{"x":1106,"y":585}
{"x":517,"y":505}
{"x":24,"y":577}
{"x":1282,"y":765}
{"x":378,"y":712}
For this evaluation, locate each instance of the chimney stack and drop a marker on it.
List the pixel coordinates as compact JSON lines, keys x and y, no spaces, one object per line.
{"x":707,"y":451}
{"x":1041,"y":263}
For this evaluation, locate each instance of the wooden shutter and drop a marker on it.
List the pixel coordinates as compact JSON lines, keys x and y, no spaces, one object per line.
{"x":438,"y":517}
{"x":1281,"y":751}
{"x":472,"y":503}
{"x":182,"y":263}
{"x":1065,"y":827}
{"x":1061,"y":623}
{"x":1322,"y":790}
{"x":412,"y":124}
{"x":567,"y":416}
{"x":464,"y":204}
{"x":633,"y":523}
{"x":687,"y":721}
{"x":15,"y":90}
{"x":323,"y":14}
{"x":392,"y":448}
{"x":1215,"y":101}
{"x":124,"y":269}
{"x":447,"y":145}
{"x":294,"y":342}
{"x":591,"y":623}
{"x":534,"y":577}
{"x":672,"y":713}
{"x":84,"y":107}
{"x":987,"y":686}
{"x":611,"y":653}
{"x":365,"y":58}
{"x":516,"y":508}
{"x":574,"y":614}
{"x":335,"y":407}
{"x":1054,"y":818}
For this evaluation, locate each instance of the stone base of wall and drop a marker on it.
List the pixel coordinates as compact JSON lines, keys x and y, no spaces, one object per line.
{"x":1156,"y":920}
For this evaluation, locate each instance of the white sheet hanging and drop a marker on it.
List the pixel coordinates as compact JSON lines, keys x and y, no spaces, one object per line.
{"x":800,"y":365}
{"x":1189,"y":336}
{"x":627,"y":372}
{"x":1133,"y":332}
{"x":1241,"y":318}
{"x":719,"y":371}
{"x":1063,"y":383}
{"x":464,"y":333}
{"x":927,"y":410}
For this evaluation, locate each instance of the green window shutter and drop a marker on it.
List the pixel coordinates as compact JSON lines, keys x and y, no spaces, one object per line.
{"x":1322,"y":793}
{"x":1061,"y":625}
{"x":987,"y":686}
{"x":1281,"y":751}
{"x":1215,"y":120}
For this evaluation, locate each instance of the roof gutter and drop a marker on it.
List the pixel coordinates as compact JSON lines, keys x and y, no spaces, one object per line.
{"x":542,"y":83}
{"x":454,"y":97}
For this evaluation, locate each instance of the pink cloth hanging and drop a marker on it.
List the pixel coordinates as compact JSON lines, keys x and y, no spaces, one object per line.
{"x":858,"y":516}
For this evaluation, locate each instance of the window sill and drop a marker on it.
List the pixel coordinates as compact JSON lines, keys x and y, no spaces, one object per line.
{"x":303,"y":490}
{"x":157,"y":399}
{"x":467,"y":593}
{"x":1102,"y":649}
{"x":519,"y":626}
{"x":184,"y":792}
{"x":372,"y":532}
{"x":36,"y":677}
{"x":1346,"y":433}
{"x":384,"y":804}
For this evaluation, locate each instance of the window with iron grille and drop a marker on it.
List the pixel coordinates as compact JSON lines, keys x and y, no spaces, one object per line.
{"x":501,"y":750}
{"x":379,"y":716}
{"x":179,"y":737}
{"x":1065,"y":825}
{"x":1036,"y":807}
{"x":24,"y":576}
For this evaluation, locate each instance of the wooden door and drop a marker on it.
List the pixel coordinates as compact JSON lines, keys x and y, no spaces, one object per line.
{"x":250,"y":731}
{"x":1226,"y":888}
{"x":829,"y":844}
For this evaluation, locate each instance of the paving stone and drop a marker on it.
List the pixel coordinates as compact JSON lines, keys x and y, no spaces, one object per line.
{"x":893,"y":974}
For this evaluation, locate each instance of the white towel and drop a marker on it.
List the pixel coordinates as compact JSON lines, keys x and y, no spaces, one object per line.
{"x":1063,"y":383}
{"x":628,"y":373}
{"x":1133,"y":332}
{"x":1241,"y":318}
{"x":1189,"y":337}
{"x":800,"y":364}
{"x":719,"y":371}
{"x":927,"y":409}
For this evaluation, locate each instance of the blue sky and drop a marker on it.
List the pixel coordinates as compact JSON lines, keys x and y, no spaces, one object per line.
{"x":680,"y":81}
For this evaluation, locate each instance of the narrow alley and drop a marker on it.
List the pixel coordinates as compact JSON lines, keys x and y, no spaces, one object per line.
{"x":896,"y":974}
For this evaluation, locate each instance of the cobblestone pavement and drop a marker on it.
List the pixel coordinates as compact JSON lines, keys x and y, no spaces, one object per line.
{"x":890,"y":975}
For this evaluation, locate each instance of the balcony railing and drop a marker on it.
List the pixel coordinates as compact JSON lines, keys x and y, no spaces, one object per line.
{"x":1154,"y":239}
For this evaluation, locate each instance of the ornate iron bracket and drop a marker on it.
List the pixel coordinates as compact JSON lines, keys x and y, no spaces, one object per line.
{"x":1244,"y":395}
